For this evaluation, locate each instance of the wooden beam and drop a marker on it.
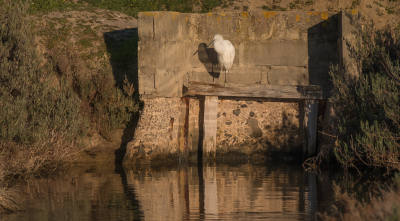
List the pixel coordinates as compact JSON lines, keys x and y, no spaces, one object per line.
{"x":210,"y":126}
{"x":257,"y":90}
{"x":310,"y":127}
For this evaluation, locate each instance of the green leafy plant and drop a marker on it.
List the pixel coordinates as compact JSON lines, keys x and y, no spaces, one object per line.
{"x":370,"y":106}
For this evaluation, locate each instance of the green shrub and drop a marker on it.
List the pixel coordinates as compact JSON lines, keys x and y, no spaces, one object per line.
{"x":51,"y":5}
{"x":370,"y":106}
{"x":48,"y":103}
{"x":32,"y":109}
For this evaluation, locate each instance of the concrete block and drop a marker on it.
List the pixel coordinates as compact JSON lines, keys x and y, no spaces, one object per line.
{"x":349,"y":34}
{"x":166,"y":83}
{"x":174,"y":54}
{"x":220,"y":23}
{"x":145,"y":25}
{"x":320,"y":76}
{"x":169,"y":26}
{"x":287,"y":53}
{"x":146,"y":81}
{"x":283,"y":75}
{"x":322,"y":51}
{"x":242,"y":76}
{"x":203,"y":76}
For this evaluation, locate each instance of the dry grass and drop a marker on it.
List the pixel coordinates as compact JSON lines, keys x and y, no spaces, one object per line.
{"x":9,"y":199}
{"x":32,"y":161}
{"x":36,"y":160}
{"x":385,"y":205}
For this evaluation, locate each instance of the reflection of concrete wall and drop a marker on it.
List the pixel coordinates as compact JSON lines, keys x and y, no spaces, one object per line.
{"x":222,"y":192}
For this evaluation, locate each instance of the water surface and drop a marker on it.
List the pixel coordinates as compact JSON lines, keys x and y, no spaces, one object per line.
{"x":271,"y":191}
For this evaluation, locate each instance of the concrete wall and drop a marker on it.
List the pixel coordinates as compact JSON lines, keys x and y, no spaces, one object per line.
{"x":281,"y":48}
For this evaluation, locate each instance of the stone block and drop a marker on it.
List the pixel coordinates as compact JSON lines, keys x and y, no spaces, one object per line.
{"x":320,"y":76}
{"x":157,"y":132}
{"x":286,"y":53}
{"x":322,"y":51}
{"x":220,"y":23}
{"x":166,"y":83}
{"x":145,"y":25}
{"x":200,"y":74}
{"x":285,"y":75}
{"x":146,"y":81}
{"x":169,"y":26}
{"x":349,"y":34}
{"x":174,"y":55}
{"x":242,"y":76}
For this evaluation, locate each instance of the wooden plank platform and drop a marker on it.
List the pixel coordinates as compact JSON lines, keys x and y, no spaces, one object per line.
{"x":211,"y":91}
{"x":312,"y":92}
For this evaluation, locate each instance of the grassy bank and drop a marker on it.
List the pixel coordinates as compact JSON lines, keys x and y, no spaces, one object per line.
{"x":51,"y":100}
{"x":128,"y":7}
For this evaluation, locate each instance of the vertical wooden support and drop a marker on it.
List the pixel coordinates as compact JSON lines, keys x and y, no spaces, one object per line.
{"x":194,"y":131}
{"x":310,"y":127}
{"x":183,"y":127}
{"x":210,"y":126}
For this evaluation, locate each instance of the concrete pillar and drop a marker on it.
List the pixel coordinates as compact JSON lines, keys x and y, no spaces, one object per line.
{"x":349,"y":40}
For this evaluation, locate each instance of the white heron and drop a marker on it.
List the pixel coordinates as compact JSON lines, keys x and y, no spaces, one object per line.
{"x":226,"y":52}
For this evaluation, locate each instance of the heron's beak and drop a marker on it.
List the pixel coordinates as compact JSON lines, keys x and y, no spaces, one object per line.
{"x":210,"y":44}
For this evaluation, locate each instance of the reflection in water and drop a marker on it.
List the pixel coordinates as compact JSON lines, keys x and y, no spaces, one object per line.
{"x":278,"y":191}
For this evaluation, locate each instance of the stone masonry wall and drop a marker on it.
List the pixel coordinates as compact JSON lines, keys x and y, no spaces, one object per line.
{"x":285,"y":48}
{"x":280,"y":48}
{"x":253,"y":127}
{"x":158,"y":131}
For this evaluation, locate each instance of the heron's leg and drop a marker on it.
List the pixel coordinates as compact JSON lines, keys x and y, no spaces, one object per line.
{"x":226,"y":72}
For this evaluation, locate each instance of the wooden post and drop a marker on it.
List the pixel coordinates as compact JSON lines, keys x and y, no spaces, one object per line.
{"x":183,"y":127}
{"x":210,"y":126}
{"x":310,"y":127}
{"x":194,"y":131}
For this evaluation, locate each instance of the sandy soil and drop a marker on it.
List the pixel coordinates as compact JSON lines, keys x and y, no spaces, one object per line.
{"x":381,"y":12}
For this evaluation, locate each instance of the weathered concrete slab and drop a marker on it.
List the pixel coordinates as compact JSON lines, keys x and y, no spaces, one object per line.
{"x":169,"y":40}
{"x":285,"y":53}
{"x":349,"y":32}
{"x":166,"y":83}
{"x":288,"y":75}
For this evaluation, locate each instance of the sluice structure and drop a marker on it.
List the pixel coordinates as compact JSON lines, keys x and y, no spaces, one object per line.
{"x":276,"y":97}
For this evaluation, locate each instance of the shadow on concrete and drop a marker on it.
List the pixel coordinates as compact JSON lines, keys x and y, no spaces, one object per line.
{"x":322,"y":51}
{"x":122,"y":47}
{"x":209,"y":58}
